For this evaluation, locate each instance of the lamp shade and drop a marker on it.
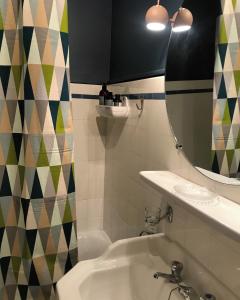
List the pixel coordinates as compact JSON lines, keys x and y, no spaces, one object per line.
{"x":156,"y":18}
{"x":182,"y":20}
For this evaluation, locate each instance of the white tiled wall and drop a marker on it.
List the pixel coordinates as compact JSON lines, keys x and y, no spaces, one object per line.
{"x":145,"y":142}
{"x":89,"y":137}
{"x":131,"y":146}
{"x":107,"y":167}
{"x":217,"y":254}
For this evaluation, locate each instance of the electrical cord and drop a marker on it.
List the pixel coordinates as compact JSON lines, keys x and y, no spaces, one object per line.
{"x":173,"y":290}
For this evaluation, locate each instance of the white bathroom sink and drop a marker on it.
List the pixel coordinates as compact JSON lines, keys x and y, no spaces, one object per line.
{"x":195,"y":192}
{"x":124,"y":272}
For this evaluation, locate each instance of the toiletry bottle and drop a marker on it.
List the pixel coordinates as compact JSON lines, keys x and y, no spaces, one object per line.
{"x":109,"y":100}
{"x":121,"y":101}
{"x":103,"y":94}
{"x":117,"y":100}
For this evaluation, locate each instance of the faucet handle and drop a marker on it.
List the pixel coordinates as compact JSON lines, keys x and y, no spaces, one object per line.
{"x":176,"y":267}
{"x":186,"y":291}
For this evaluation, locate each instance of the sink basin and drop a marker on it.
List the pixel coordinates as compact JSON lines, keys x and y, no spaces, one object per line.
{"x":196,"y":193}
{"x":129,"y":281}
{"x":124,"y":272}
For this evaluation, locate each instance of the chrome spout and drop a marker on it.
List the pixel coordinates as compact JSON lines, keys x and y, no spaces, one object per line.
{"x":175,"y":276}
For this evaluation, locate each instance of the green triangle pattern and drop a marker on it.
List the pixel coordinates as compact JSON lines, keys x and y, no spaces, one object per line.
{"x":2,"y":223}
{"x":1,"y":22}
{"x":237,"y":79}
{"x":42,"y":158}
{"x":64,"y":24}
{"x":226,"y":115}
{"x":230,"y":155}
{"x":48,"y":74}
{"x":222,"y":35}
{"x":12,"y":159}
{"x":60,"y":124}
{"x":234,"y":2}
{"x":238,"y":141}
{"x":67,"y":214}
{"x":51,"y":260}
{"x":17,"y":72}
{"x":38,"y":242}
{"x":55,"y":171}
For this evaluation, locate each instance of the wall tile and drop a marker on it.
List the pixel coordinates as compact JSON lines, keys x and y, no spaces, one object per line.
{"x":131,"y":146}
{"x":146,"y":142}
{"x":218,"y":256}
{"x":89,"y":154}
{"x":82,"y":179}
{"x":80,"y":109}
{"x":111,"y":194}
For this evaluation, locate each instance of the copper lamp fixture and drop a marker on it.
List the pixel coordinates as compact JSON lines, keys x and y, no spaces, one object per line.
{"x":157,"y":19}
{"x":182,"y":20}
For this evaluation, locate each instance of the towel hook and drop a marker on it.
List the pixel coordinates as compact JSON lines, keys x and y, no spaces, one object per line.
{"x":141,"y":105}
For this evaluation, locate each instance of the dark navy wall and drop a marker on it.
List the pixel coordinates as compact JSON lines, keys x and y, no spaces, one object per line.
{"x":135,"y":51}
{"x":109,"y":41}
{"x":191,"y":56}
{"x":90,"y":40}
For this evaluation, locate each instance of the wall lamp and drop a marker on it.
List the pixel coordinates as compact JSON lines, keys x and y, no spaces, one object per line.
{"x":157,"y":19}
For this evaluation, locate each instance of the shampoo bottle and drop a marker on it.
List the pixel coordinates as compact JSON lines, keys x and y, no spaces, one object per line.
{"x":103,"y":94}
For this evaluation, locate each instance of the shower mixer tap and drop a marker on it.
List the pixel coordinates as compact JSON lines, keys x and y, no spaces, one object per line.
{"x":152,"y":220}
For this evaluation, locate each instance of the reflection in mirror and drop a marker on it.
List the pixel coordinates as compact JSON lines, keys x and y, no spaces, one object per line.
{"x":202,"y":86}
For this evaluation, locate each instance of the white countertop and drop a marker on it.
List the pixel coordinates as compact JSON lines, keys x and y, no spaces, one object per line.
{"x":219,"y":210}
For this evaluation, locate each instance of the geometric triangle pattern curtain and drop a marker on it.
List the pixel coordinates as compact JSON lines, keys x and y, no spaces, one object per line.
{"x":37,"y":200}
{"x":226,"y":117}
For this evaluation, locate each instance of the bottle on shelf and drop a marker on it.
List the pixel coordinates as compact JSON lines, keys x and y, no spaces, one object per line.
{"x":117,"y":100}
{"x":109,"y":99}
{"x":121,"y":101}
{"x":103,"y":94}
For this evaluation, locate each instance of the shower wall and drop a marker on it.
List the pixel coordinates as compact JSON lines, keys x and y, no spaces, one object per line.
{"x":134,"y":145}
{"x":89,"y":154}
{"x":109,"y":154}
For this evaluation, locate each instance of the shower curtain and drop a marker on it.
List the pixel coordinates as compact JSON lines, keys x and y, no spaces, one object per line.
{"x":226,"y":118}
{"x":37,"y":205}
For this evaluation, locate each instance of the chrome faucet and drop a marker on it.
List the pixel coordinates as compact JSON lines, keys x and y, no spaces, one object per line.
{"x":189,"y":293}
{"x":186,"y":291}
{"x":175,"y":276}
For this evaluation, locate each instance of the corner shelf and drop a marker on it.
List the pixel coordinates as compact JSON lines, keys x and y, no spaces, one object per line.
{"x":112,"y":111}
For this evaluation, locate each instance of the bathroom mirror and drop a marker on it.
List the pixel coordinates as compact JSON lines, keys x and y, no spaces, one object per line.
{"x":204,"y":120}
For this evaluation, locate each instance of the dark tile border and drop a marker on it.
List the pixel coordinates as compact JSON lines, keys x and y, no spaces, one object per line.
{"x":84,"y":97}
{"x":147,"y":96}
{"x":194,"y":91}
